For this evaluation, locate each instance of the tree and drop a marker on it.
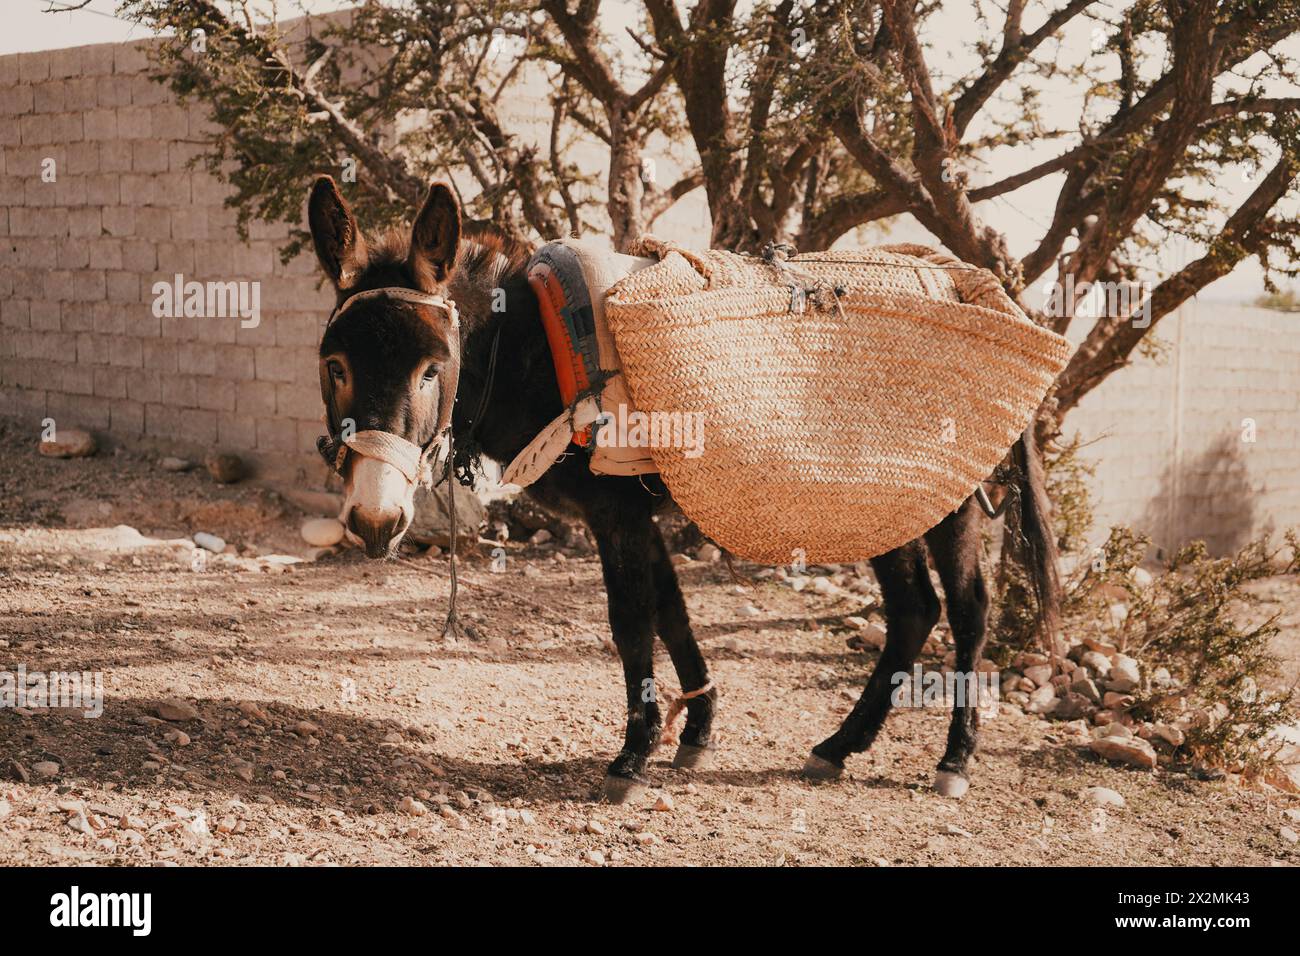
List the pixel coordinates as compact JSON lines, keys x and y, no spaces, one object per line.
{"x":807,"y":121}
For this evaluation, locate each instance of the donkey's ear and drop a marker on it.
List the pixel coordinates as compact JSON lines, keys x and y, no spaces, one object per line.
{"x":340,"y":246}
{"x":434,"y":238}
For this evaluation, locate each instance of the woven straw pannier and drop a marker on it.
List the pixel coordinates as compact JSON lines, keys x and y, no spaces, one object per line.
{"x":849,"y":400}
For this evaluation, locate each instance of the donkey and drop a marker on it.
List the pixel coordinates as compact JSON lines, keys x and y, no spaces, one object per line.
{"x":385,"y":361}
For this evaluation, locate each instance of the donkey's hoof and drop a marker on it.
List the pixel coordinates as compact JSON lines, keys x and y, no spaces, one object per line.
{"x":621,"y":789}
{"x":819,"y":768}
{"x":949,"y":784}
{"x":691,"y":757}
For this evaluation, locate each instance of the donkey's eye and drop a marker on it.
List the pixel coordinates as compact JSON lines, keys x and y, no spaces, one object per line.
{"x":336,"y":371}
{"x":430,"y":374}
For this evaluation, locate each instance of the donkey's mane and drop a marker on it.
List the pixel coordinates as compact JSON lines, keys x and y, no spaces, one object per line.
{"x":484,"y":246}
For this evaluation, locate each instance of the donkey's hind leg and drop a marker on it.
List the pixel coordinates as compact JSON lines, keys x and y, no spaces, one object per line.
{"x":694,"y":746}
{"x":955,"y":548}
{"x":911,"y":610}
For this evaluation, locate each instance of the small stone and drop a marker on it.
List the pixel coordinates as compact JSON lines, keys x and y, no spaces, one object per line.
{"x":176,"y":709}
{"x":1124,"y":668}
{"x":412,"y":807}
{"x":177,"y":737}
{"x":709,"y":553}
{"x":1286,"y":833}
{"x":224,"y":467}
{"x":1072,"y":706}
{"x":595,"y":827}
{"x":322,"y":532}
{"x":175,"y":464}
{"x":664,"y":804}
{"x":305,"y":728}
{"x":68,"y":443}
{"x":592,"y":857}
{"x":540,"y":536}
{"x":18,"y":772}
{"x":1103,"y":797}
{"x":209,"y":542}
{"x":1096,"y":662}
{"x":1040,"y":674}
{"x":1086,"y":688}
{"x":1043,"y":700}
{"x":45,"y":768}
{"x":1130,"y":750}
{"x":1114,"y":701}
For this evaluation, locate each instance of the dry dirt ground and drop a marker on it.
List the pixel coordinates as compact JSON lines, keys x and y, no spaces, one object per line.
{"x":325,"y":698}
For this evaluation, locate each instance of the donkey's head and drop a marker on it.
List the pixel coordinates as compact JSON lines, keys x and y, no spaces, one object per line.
{"x":389,"y":358}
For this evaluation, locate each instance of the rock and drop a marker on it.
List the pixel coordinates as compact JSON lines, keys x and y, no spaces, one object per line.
{"x":1040,"y":674}
{"x":1117,"y":701}
{"x":1043,"y":701}
{"x":1141,"y":577}
{"x":322,"y":532}
{"x":592,"y":857}
{"x":595,"y":827}
{"x":5,"y":808}
{"x":412,"y":807}
{"x":45,"y":769}
{"x":69,"y":443}
{"x":1115,"y":729}
{"x":540,"y":536}
{"x":432,"y":524}
{"x":1096,"y":662}
{"x":176,"y":709}
{"x":1072,"y":706}
{"x":18,"y":772}
{"x":177,"y":737}
{"x":209,"y":542}
{"x":1286,"y":833}
{"x":664,"y":804}
{"x":1129,"y":750}
{"x":1124,"y":668}
{"x":1103,"y":797}
{"x":325,"y":503}
{"x":1086,"y":688}
{"x":305,"y":728}
{"x":708,"y":553}
{"x":175,"y":464}
{"x":224,"y":467}
{"x":252,"y":711}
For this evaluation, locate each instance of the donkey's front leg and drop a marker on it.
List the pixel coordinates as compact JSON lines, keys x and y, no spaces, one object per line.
{"x":624,"y":539}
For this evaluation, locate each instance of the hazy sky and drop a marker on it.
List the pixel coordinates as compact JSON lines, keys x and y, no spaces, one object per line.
{"x":1021,"y":216}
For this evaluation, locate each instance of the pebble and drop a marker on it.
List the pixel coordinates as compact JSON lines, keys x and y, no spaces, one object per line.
{"x":1130,"y":750}
{"x":664,"y":804}
{"x":69,"y":443}
{"x":224,"y":468}
{"x":209,"y":542}
{"x":305,"y":728}
{"x":1103,"y":797}
{"x":595,"y":827}
{"x":45,"y":768}
{"x":412,"y":807}
{"x":541,"y":536}
{"x":5,"y":808}
{"x":592,"y":857}
{"x":176,"y":464}
{"x":322,"y":532}
{"x":175,"y":709}
{"x":708,"y":553}
{"x":1043,"y":700}
{"x":177,"y":737}
{"x":1289,"y":835}
{"x":1040,"y":674}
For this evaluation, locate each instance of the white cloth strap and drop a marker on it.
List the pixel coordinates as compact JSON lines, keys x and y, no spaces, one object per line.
{"x":540,"y":453}
{"x":407,"y":457}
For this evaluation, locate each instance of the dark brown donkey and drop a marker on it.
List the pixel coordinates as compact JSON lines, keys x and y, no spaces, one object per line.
{"x":386,"y":360}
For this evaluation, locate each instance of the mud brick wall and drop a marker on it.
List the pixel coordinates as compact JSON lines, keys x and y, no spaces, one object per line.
{"x":79,"y":342}
{"x":1172,"y":436}
{"x":79,"y":257}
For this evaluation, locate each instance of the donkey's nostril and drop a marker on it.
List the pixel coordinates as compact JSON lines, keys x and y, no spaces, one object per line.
{"x":376,"y":529}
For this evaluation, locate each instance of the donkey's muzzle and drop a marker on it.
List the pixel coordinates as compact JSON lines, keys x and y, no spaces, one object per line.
{"x":378,"y":530}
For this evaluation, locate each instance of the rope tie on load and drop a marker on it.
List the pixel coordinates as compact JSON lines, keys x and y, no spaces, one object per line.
{"x":811,"y":289}
{"x":675,"y":708}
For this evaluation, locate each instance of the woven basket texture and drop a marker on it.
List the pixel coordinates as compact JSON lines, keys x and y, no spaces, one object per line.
{"x":850,"y":400}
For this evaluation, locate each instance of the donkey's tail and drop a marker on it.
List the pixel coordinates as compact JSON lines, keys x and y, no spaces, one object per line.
{"x":1034,"y":539}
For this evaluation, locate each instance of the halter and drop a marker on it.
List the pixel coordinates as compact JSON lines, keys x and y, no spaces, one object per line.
{"x":407,"y":457}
